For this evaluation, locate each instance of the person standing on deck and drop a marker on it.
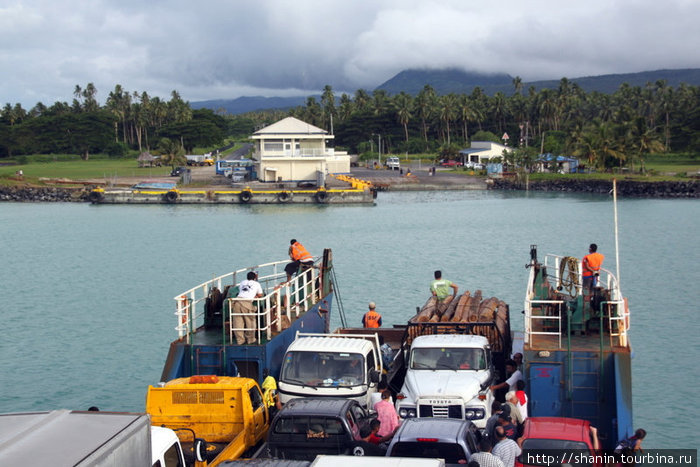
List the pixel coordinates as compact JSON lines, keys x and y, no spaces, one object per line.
{"x":242,"y":319}
{"x":299,"y":257}
{"x":591,"y":265}
{"x":372,"y":319}
{"x":440,"y":287}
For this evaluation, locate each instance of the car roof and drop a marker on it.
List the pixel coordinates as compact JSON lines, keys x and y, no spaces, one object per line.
{"x":331,"y":344}
{"x":449,"y":340}
{"x":444,"y":429}
{"x":572,"y":429}
{"x":316,"y":406}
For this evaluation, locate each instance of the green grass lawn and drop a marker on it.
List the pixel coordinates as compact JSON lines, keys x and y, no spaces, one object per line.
{"x":85,"y":169}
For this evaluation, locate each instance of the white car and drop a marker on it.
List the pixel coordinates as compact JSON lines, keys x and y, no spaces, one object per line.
{"x":393,"y":163}
{"x":474,"y":165}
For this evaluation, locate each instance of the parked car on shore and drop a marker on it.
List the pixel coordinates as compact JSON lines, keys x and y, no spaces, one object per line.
{"x":474,"y":165}
{"x":177,"y":171}
{"x":450,"y":163}
{"x":393,"y":163}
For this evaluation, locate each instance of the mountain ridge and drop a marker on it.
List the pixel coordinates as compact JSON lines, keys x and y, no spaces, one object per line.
{"x":453,"y":80}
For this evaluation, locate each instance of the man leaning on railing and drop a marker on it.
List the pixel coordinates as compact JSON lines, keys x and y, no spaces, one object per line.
{"x":243,"y":310}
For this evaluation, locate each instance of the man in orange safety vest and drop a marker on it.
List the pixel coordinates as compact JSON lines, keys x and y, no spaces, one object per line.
{"x":591,"y":265}
{"x":299,"y":257}
{"x":372,"y":319}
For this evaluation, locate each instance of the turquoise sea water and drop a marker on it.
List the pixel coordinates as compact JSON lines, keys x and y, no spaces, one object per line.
{"x":87,"y":304}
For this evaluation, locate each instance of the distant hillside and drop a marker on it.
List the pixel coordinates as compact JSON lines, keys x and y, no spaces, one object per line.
{"x":461,"y":82}
{"x":443,"y":81}
{"x":249,"y":104}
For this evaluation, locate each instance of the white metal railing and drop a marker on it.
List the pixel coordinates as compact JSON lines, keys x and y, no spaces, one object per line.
{"x":293,"y":297}
{"x":618,"y":314}
{"x":556,"y":318}
{"x":271,"y":276}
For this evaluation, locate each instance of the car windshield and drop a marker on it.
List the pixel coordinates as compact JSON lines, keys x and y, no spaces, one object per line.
{"x":322,"y":369}
{"x":452,"y":453}
{"x":552,"y":447}
{"x":448,"y":359}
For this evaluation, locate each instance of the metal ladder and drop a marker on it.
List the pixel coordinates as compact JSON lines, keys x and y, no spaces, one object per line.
{"x":199,"y":366}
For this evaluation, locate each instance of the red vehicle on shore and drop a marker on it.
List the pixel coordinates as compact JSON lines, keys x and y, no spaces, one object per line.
{"x":559,"y":440}
{"x":450,"y":163}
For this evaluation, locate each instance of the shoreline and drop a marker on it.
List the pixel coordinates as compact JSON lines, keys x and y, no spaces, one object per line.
{"x":423,"y":182}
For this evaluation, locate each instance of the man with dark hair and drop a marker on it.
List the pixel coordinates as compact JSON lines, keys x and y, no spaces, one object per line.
{"x":299,"y":257}
{"x":591,"y":265}
{"x":492,"y":422}
{"x":484,"y":457}
{"x":243,"y":309}
{"x":440,"y":287}
{"x":514,"y":375}
{"x":505,"y":449}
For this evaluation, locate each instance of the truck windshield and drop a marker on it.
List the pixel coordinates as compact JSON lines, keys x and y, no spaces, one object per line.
{"x":448,"y":359}
{"x":322,"y":369}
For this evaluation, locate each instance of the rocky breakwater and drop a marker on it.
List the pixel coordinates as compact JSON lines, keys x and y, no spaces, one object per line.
{"x":628,"y":188}
{"x":42,"y":194}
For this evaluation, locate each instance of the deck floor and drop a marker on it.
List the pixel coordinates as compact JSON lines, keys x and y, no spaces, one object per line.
{"x":588,"y":343}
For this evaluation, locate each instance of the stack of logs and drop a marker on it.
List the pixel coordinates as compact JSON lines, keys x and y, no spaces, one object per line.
{"x":466,"y":308}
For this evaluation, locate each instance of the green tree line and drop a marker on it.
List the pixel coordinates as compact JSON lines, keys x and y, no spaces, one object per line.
{"x":126,"y":121}
{"x":602,"y":130}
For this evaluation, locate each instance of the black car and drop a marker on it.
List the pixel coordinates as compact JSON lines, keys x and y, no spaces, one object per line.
{"x":307,"y":427}
{"x":446,"y":438}
{"x":177,"y":171}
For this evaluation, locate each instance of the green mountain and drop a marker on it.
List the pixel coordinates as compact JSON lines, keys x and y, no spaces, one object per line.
{"x":445,"y":81}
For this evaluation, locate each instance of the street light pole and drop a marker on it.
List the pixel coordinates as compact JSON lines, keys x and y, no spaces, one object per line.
{"x":379,"y":148}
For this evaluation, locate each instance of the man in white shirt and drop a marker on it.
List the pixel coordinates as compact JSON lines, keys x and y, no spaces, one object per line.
{"x":247,"y":290}
{"x":514,"y":375}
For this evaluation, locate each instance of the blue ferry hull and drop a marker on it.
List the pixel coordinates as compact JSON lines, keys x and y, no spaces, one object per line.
{"x":576,"y":351}
{"x":203,"y":356}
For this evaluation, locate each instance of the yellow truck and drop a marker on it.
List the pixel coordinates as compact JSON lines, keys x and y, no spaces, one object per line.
{"x":227,"y":413}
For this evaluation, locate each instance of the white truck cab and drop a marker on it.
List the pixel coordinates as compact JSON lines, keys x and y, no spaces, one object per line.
{"x":448,"y":376}
{"x":331,"y":365}
{"x":165,"y":448}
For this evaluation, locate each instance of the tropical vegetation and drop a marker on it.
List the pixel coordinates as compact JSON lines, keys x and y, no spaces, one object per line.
{"x":603,"y":131}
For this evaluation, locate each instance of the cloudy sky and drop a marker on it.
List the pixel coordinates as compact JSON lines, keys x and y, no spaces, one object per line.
{"x":210,"y":49}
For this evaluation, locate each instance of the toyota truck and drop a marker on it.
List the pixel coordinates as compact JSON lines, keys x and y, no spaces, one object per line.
{"x":331,"y":365}
{"x":448,"y":376}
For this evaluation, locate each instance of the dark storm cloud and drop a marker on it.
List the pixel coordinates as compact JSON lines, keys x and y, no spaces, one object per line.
{"x":224,"y":49}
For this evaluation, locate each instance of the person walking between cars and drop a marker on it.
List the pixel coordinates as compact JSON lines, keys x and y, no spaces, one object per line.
{"x":270,"y":397}
{"x":386,"y":414}
{"x":372,"y":319}
{"x":591,"y":264}
{"x":440,"y":287}
{"x":244,"y":322}
{"x":299,"y":257}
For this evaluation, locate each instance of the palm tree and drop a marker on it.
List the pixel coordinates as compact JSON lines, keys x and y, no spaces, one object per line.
{"x":328,"y":104}
{"x":171,"y":152}
{"x":447,"y":110}
{"x":403,"y":103}
{"x":424,"y":103}
{"x":518,"y":84}
{"x":466,"y":114}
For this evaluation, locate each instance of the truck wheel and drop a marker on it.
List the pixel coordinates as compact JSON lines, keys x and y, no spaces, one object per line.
{"x":358,"y":451}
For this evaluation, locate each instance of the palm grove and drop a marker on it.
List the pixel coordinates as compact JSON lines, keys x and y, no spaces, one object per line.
{"x":602,"y":130}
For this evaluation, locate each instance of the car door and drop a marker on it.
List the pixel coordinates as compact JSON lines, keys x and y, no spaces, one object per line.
{"x":260,"y":415}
